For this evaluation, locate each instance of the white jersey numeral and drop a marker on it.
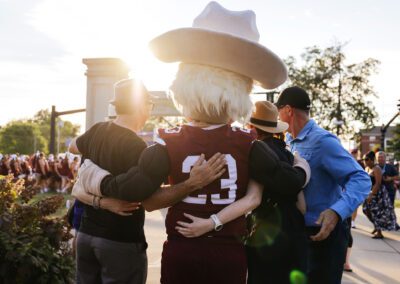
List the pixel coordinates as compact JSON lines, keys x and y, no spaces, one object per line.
{"x":230,"y":182}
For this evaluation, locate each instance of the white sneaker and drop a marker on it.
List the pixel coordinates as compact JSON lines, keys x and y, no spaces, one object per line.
{"x":353,"y":224}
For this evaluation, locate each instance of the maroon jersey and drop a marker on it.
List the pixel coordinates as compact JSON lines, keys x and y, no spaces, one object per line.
{"x":184,"y":145}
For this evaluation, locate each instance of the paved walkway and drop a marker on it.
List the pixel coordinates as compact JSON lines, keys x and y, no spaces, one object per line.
{"x":373,"y":261}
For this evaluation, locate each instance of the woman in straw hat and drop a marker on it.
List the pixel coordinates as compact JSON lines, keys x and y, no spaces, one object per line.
{"x":276,"y":250}
{"x":220,"y":59}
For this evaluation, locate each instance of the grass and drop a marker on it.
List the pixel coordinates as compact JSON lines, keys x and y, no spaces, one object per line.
{"x":62,"y":210}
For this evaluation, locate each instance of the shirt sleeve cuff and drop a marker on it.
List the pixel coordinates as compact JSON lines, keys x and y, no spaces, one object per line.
{"x":341,"y":209}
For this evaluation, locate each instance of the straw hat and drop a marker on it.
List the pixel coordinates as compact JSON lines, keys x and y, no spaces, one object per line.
{"x":265,"y":117}
{"x":224,"y":39}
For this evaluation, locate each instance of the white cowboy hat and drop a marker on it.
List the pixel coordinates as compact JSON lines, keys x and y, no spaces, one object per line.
{"x":224,"y":39}
{"x":265,"y":117}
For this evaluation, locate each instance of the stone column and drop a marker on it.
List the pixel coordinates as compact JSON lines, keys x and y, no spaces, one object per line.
{"x":101,"y":74}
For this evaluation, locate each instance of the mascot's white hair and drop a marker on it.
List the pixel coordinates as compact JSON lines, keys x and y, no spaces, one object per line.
{"x":212,"y":95}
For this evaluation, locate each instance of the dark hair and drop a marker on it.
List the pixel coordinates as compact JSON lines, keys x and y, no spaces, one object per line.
{"x":370,"y":156}
{"x":279,"y":136}
{"x":262,"y":132}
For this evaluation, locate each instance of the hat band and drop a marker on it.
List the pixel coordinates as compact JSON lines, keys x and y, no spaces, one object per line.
{"x":264,"y":122}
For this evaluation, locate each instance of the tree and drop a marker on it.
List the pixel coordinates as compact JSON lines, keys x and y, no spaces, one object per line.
{"x":21,"y":137}
{"x":339,"y":91}
{"x":28,"y":136}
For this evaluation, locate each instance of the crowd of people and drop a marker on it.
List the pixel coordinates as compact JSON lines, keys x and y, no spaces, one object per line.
{"x":47,"y":173}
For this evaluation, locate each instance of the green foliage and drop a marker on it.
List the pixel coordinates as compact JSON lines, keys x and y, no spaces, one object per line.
{"x":395,"y":145}
{"x":27,"y":136}
{"x":21,"y":137}
{"x":324,"y":74}
{"x":33,"y":247}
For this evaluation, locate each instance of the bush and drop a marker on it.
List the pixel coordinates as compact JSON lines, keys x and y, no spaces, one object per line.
{"x":34,"y":247}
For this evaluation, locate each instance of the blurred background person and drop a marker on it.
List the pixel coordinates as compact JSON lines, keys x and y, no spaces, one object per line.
{"x":74,"y":167}
{"x":15,"y":166}
{"x":41,"y":171}
{"x":5,"y":165}
{"x":64,"y":172}
{"x":378,"y":207}
{"x":389,"y":175}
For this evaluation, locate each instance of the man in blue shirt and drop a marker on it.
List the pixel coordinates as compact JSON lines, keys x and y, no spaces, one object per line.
{"x":338,"y":185}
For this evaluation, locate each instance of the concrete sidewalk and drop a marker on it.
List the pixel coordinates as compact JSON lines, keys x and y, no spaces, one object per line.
{"x":372,"y":261}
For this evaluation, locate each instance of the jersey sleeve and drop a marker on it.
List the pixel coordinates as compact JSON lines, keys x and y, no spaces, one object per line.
{"x":141,"y":181}
{"x":278,"y":176}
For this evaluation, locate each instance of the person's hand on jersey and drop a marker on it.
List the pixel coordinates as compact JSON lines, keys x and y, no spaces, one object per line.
{"x":198,"y":227}
{"x":120,"y":207}
{"x":205,"y":172}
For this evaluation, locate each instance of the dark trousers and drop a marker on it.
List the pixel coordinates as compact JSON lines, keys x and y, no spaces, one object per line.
{"x":326,"y":258}
{"x":194,"y":261}
{"x":278,"y":262}
{"x":104,"y":261}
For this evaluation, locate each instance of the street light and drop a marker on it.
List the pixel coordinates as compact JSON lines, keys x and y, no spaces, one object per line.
{"x":269,"y":96}
{"x":385,"y":127}
{"x":337,"y":123}
{"x":60,"y":124}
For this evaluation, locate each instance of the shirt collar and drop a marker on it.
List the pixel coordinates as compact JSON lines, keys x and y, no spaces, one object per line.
{"x":303,"y":133}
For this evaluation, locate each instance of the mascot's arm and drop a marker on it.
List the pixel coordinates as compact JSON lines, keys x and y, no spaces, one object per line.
{"x":140,"y":181}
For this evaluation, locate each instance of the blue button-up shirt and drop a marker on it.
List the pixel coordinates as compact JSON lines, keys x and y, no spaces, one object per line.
{"x":337,"y":180}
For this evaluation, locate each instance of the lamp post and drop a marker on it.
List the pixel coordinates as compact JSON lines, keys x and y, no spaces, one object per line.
{"x":385,"y":127}
{"x":54,"y":115}
{"x":339,"y":121}
{"x":269,"y":96}
{"x":60,"y":125}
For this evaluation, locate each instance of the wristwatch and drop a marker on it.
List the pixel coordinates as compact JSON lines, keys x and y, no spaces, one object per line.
{"x":217,"y":223}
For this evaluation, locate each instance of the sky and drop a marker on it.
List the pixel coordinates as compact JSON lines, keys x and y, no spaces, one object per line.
{"x":43,"y":42}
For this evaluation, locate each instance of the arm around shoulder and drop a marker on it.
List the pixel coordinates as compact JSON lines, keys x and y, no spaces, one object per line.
{"x":275,"y":175}
{"x":141,"y":181}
